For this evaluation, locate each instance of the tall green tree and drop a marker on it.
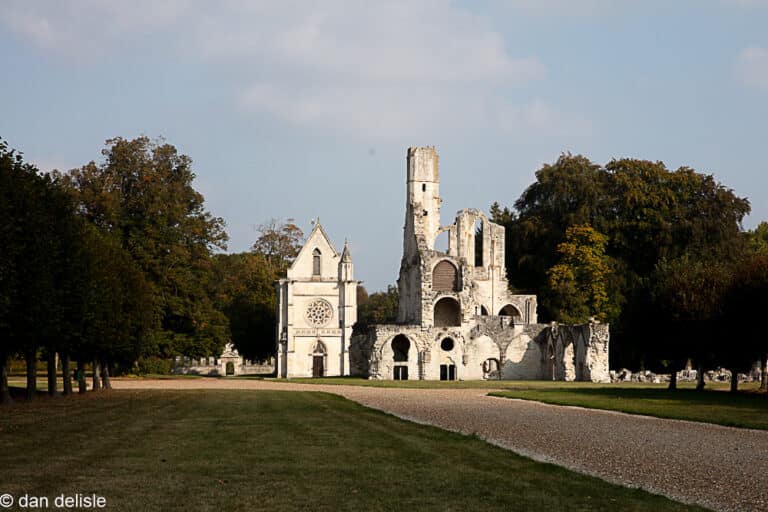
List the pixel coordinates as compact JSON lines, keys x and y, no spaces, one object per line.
{"x":688,"y":295}
{"x":246,"y":295}
{"x":745,"y":302}
{"x":646,"y":211}
{"x":142,"y":193}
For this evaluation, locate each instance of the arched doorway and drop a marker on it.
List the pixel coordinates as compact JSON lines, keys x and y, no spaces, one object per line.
{"x":511,"y":311}
{"x":230,"y":368}
{"x":483,"y":311}
{"x":491,"y":369}
{"x":549,"y":365}
{"x":447,"y":313}
{"x":400,"y":347}
{"x":318,"y":359}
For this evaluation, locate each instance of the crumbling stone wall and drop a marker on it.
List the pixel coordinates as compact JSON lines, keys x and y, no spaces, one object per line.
{"x":523,"y":352}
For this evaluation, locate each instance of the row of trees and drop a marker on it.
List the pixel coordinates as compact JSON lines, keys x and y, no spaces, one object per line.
{"x":659,"y":253}
{"x":117,"y":264}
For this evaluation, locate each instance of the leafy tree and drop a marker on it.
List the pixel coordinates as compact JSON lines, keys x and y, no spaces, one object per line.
{"x":647,"y":212}
{"x":379,"y":308}
{"x":758,"y":238}
{"x":745,"y":303}
{"x":142,"y":194}
{"x":567,"y":193}
{"x":246,"y":295}
{"x":688,"y":295}
{"x":279,"y":244}
{"x":578,"y":284}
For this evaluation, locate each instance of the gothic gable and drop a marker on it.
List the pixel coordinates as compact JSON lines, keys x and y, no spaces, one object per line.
{"x":317,"y":259}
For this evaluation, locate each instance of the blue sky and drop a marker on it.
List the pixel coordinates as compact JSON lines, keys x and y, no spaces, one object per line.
{"x":305,"y":109}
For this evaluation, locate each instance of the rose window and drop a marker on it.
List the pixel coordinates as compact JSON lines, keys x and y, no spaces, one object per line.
{"x":319,"y":312}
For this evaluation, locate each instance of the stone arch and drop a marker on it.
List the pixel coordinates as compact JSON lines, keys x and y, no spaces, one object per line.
{"x":447,"y":313}
{"x":511,"y":311}
{"x":445,"y":277}
{"x":319,"y":359}
{"x":401,"y":345}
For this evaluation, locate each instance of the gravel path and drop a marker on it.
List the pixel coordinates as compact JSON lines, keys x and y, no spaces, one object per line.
{"x":718,"y":467}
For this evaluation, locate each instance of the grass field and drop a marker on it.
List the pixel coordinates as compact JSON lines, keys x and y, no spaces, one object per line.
{"x":246,"y":450}
{"x":748,"y":410}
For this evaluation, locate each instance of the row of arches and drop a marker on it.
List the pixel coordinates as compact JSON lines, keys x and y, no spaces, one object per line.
{"x":447,"y":312}
{"x":444,"y":362}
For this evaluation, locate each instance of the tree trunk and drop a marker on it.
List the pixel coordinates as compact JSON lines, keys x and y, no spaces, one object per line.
{"x":96,"y":377}
{"x":764,"y":373}
{"x":700,"y":379}
{"x":31,"y":358}
{"x":51,"y":359}
{"x":65,"y":376}
{"x":5,"y":392}
{"x":673,"y":380}
{"x":82,"y":386}
{"x":105,"y":375}
{"x":734,"y":381}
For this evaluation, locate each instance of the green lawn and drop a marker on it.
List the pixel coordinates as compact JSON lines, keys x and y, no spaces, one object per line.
{"x":260,"y":450}
{"x":747,"y":409}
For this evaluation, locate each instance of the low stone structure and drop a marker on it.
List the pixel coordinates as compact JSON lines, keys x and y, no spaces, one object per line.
{"x":230,"y":362}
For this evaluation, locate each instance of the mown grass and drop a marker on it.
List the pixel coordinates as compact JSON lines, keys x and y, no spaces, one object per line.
{"x":745,"y":409}
{"x":275,"y":450}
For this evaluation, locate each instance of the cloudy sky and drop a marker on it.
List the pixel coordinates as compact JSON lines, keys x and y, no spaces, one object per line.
{"x":305,"y":109}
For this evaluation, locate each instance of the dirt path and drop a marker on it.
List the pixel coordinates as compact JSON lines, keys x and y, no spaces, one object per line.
{"x":718,"y":467}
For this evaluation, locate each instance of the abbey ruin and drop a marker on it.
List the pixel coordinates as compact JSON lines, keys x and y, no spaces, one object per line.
{"x":457,"y":319}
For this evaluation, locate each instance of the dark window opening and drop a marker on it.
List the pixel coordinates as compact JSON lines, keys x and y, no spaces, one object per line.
{"x":447,"y":344}
{"x":316,"y":262}
{"x":478,"y":243}
{"x":447,"y":372}
{"x":423,"y":187}
{"x":401,"y":373}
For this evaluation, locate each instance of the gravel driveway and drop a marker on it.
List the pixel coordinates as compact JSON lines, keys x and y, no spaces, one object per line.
{"x":718,"y":467}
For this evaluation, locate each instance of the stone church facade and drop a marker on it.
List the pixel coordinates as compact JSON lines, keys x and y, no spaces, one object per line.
{"x":457,"y":319}
{"x":316,"y":310}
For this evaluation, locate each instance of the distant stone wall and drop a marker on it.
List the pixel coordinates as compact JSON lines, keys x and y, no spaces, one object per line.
{"x":217,"y":367}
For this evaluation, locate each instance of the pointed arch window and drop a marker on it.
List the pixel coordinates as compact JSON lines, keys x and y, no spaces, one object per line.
{"x":316,"y":262}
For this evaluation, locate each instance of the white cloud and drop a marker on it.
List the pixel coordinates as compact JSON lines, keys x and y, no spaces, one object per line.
{"x":752,"y":67}
{"x":372,"y":68}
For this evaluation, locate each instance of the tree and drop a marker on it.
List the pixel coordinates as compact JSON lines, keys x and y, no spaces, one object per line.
{"x":379,"y":308}
{"x":279,"y":244}
{"x":142,"y":194}
{"x":758,"y":238}
{"x":567,"y":193}
{"x":745,"y":303}
{"x":246,"y":295}
{"x":578,"y":284}
{"x":688,"y":295}
{"x":647,"y":212}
